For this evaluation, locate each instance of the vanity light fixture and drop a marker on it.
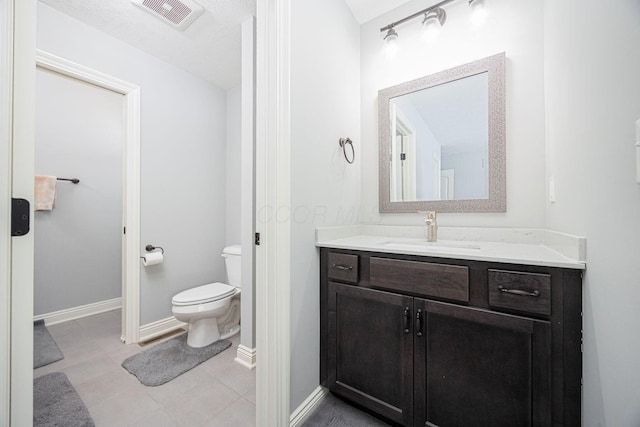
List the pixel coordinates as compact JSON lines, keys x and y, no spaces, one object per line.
{"x":390,"y":45}
{"x":430,"y":15}
{"x":391,"y":35}
{"x":432,"y":22}
{"x":434,"y":15}
{"x":478,"y":11}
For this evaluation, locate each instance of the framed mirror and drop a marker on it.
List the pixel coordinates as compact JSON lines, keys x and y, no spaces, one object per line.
{"x":442,"y":141}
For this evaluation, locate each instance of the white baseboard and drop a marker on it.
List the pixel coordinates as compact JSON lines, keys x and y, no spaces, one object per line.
{"x":159,"y":327}
{"x":79,"y":312}
{"x":246,"y":356}
{"x":300,"y":415}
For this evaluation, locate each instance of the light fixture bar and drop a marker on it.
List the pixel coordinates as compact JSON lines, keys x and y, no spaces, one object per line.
{"x":415,"y":15}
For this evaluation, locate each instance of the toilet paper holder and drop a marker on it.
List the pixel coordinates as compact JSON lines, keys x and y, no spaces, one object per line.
{"x":150,"y":248}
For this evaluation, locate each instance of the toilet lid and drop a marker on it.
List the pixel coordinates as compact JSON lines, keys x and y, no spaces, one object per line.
{"x":203,"y":294}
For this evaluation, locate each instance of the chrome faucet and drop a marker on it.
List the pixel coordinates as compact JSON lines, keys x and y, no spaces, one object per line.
{"x":432,"y":226}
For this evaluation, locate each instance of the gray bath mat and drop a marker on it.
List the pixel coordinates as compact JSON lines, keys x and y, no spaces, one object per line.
{"x":169,"y":359}
{"x":334,"y":412}
{"x":56,"y":403}
{"x":338,"y":421}
{"x":45,"y":349}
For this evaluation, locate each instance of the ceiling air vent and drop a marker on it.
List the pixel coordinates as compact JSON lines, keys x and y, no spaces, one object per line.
{"x":177,"y":13}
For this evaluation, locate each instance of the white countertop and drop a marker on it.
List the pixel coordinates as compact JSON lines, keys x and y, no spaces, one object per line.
{"x":508,"y":245}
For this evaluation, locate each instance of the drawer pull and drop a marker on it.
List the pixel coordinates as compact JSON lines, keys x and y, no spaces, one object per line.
{"x":342,"y":267}
{"x":519,"y":292}
{"x":406,"y":320}
{"x":419,"y":323}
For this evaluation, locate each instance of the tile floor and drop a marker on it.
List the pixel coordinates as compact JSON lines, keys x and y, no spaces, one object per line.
{"x":219,"y":392}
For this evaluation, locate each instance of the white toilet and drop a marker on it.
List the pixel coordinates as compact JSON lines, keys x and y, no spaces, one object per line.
{"x":212,"y":311}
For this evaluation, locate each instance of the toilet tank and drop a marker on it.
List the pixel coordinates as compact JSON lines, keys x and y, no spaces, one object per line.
{"x":232,"y":256}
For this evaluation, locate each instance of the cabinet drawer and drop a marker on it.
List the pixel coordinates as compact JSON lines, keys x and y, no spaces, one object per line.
{"x":529,"y":292}
{"x":421,"y":278}
{"x":343,"y":267}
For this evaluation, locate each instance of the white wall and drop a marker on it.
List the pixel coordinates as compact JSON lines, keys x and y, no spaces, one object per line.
{"x":78,"y":245}
{"x":232,"y":165}
{"x":183,"y":133}
{"x":592,"y":90}
{"x":325,"y":190}
{"x":513,"y":27}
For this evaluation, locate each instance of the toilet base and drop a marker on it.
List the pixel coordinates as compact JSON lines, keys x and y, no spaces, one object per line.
{"x":203,"y":332}
{"x":229,"y":333}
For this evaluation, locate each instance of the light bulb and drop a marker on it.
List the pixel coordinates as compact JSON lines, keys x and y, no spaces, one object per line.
{"x":391,"y":45}
{"x":479,"y":12}
{"x":432,"y":23}
{"x":431,"y":30}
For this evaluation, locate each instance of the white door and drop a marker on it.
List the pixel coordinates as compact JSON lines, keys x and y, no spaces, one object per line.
{"x":17,"y":74}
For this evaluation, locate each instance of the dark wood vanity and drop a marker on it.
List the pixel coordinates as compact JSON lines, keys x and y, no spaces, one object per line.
{"x":429,"y":341}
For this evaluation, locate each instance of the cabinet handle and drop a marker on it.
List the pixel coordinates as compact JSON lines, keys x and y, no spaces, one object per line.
{"x":406,"y":320}
{"x":419,"y":323}
{"x":519,"y":292}
{"x":342,"y":267}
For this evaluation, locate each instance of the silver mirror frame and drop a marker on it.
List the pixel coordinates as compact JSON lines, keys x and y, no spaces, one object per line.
{"x":497,"y":200}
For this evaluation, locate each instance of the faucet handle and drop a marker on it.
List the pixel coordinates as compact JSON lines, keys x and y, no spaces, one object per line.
{"x":431,"y":215}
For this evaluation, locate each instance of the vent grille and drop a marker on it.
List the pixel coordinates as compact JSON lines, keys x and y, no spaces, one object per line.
{"x":177,"y":13}
{"x":172,"y":10}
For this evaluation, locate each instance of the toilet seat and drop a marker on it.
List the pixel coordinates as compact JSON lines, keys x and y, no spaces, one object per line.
{"x":203,"y":294}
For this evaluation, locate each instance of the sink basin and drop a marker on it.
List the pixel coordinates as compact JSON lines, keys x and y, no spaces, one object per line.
{"x":432,"y":246}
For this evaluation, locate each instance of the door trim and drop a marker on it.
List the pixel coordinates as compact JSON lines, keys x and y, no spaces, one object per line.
{"x":273,"y":183}
{"x":6,"y":77}
{"x":131,"y":188}
{"x":21,"y":66}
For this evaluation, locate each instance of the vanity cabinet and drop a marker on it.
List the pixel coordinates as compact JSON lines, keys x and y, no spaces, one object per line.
{"x":425,"y":341}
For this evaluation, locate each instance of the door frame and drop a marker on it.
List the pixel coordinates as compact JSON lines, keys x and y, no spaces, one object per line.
{"x":272,"y":138}
{"x":6,"y":80}
{"x":131,"y":181}
{"x":273,"y":186}
{"x":17,"y":154}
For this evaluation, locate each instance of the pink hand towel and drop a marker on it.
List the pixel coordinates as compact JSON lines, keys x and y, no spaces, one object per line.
{"x":45,"y":192}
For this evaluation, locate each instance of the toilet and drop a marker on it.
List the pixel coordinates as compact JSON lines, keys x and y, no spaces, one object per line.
{"x":213,"y":310}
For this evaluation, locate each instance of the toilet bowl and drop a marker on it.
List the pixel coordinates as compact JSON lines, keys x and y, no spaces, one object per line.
{"x":212,"y":310}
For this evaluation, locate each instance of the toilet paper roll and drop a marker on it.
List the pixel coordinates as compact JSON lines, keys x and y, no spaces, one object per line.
{"x":152,"y":258}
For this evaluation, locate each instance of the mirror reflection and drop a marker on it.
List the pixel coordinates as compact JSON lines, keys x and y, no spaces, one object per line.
{"x":442,"y":141}
{"x":439,"y":144}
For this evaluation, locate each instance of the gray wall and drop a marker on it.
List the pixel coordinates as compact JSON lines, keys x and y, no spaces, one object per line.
{"x":183,"y":151}
{"x":592,"y":89}
{"x":247,"y":166}
{"x":471,"y":174}
{"x":232,"y":229}
{"x":325,"y":190}
{"x":79,"y":133}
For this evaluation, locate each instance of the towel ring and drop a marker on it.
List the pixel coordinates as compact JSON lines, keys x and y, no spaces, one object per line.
{"x":343,"y":143}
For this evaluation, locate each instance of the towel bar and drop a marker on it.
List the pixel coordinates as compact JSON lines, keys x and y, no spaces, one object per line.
{"x":74,"y":180}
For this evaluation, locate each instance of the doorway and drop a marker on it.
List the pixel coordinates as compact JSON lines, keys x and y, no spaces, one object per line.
{"x":104,"y":213}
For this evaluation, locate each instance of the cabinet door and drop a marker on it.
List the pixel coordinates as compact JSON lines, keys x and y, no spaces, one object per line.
{"x":479,"y":368}
{"x":370,"y":350}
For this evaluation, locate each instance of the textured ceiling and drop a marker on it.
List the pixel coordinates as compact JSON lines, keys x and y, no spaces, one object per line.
{"x":366,"y":10}
{"x":210,"y":48}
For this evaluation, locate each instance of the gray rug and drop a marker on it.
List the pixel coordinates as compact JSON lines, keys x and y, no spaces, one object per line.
{"x":334,"y":412}
{"x":45,"y":349}
{"x":56,"y":403}
{"x":167,"y":360}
